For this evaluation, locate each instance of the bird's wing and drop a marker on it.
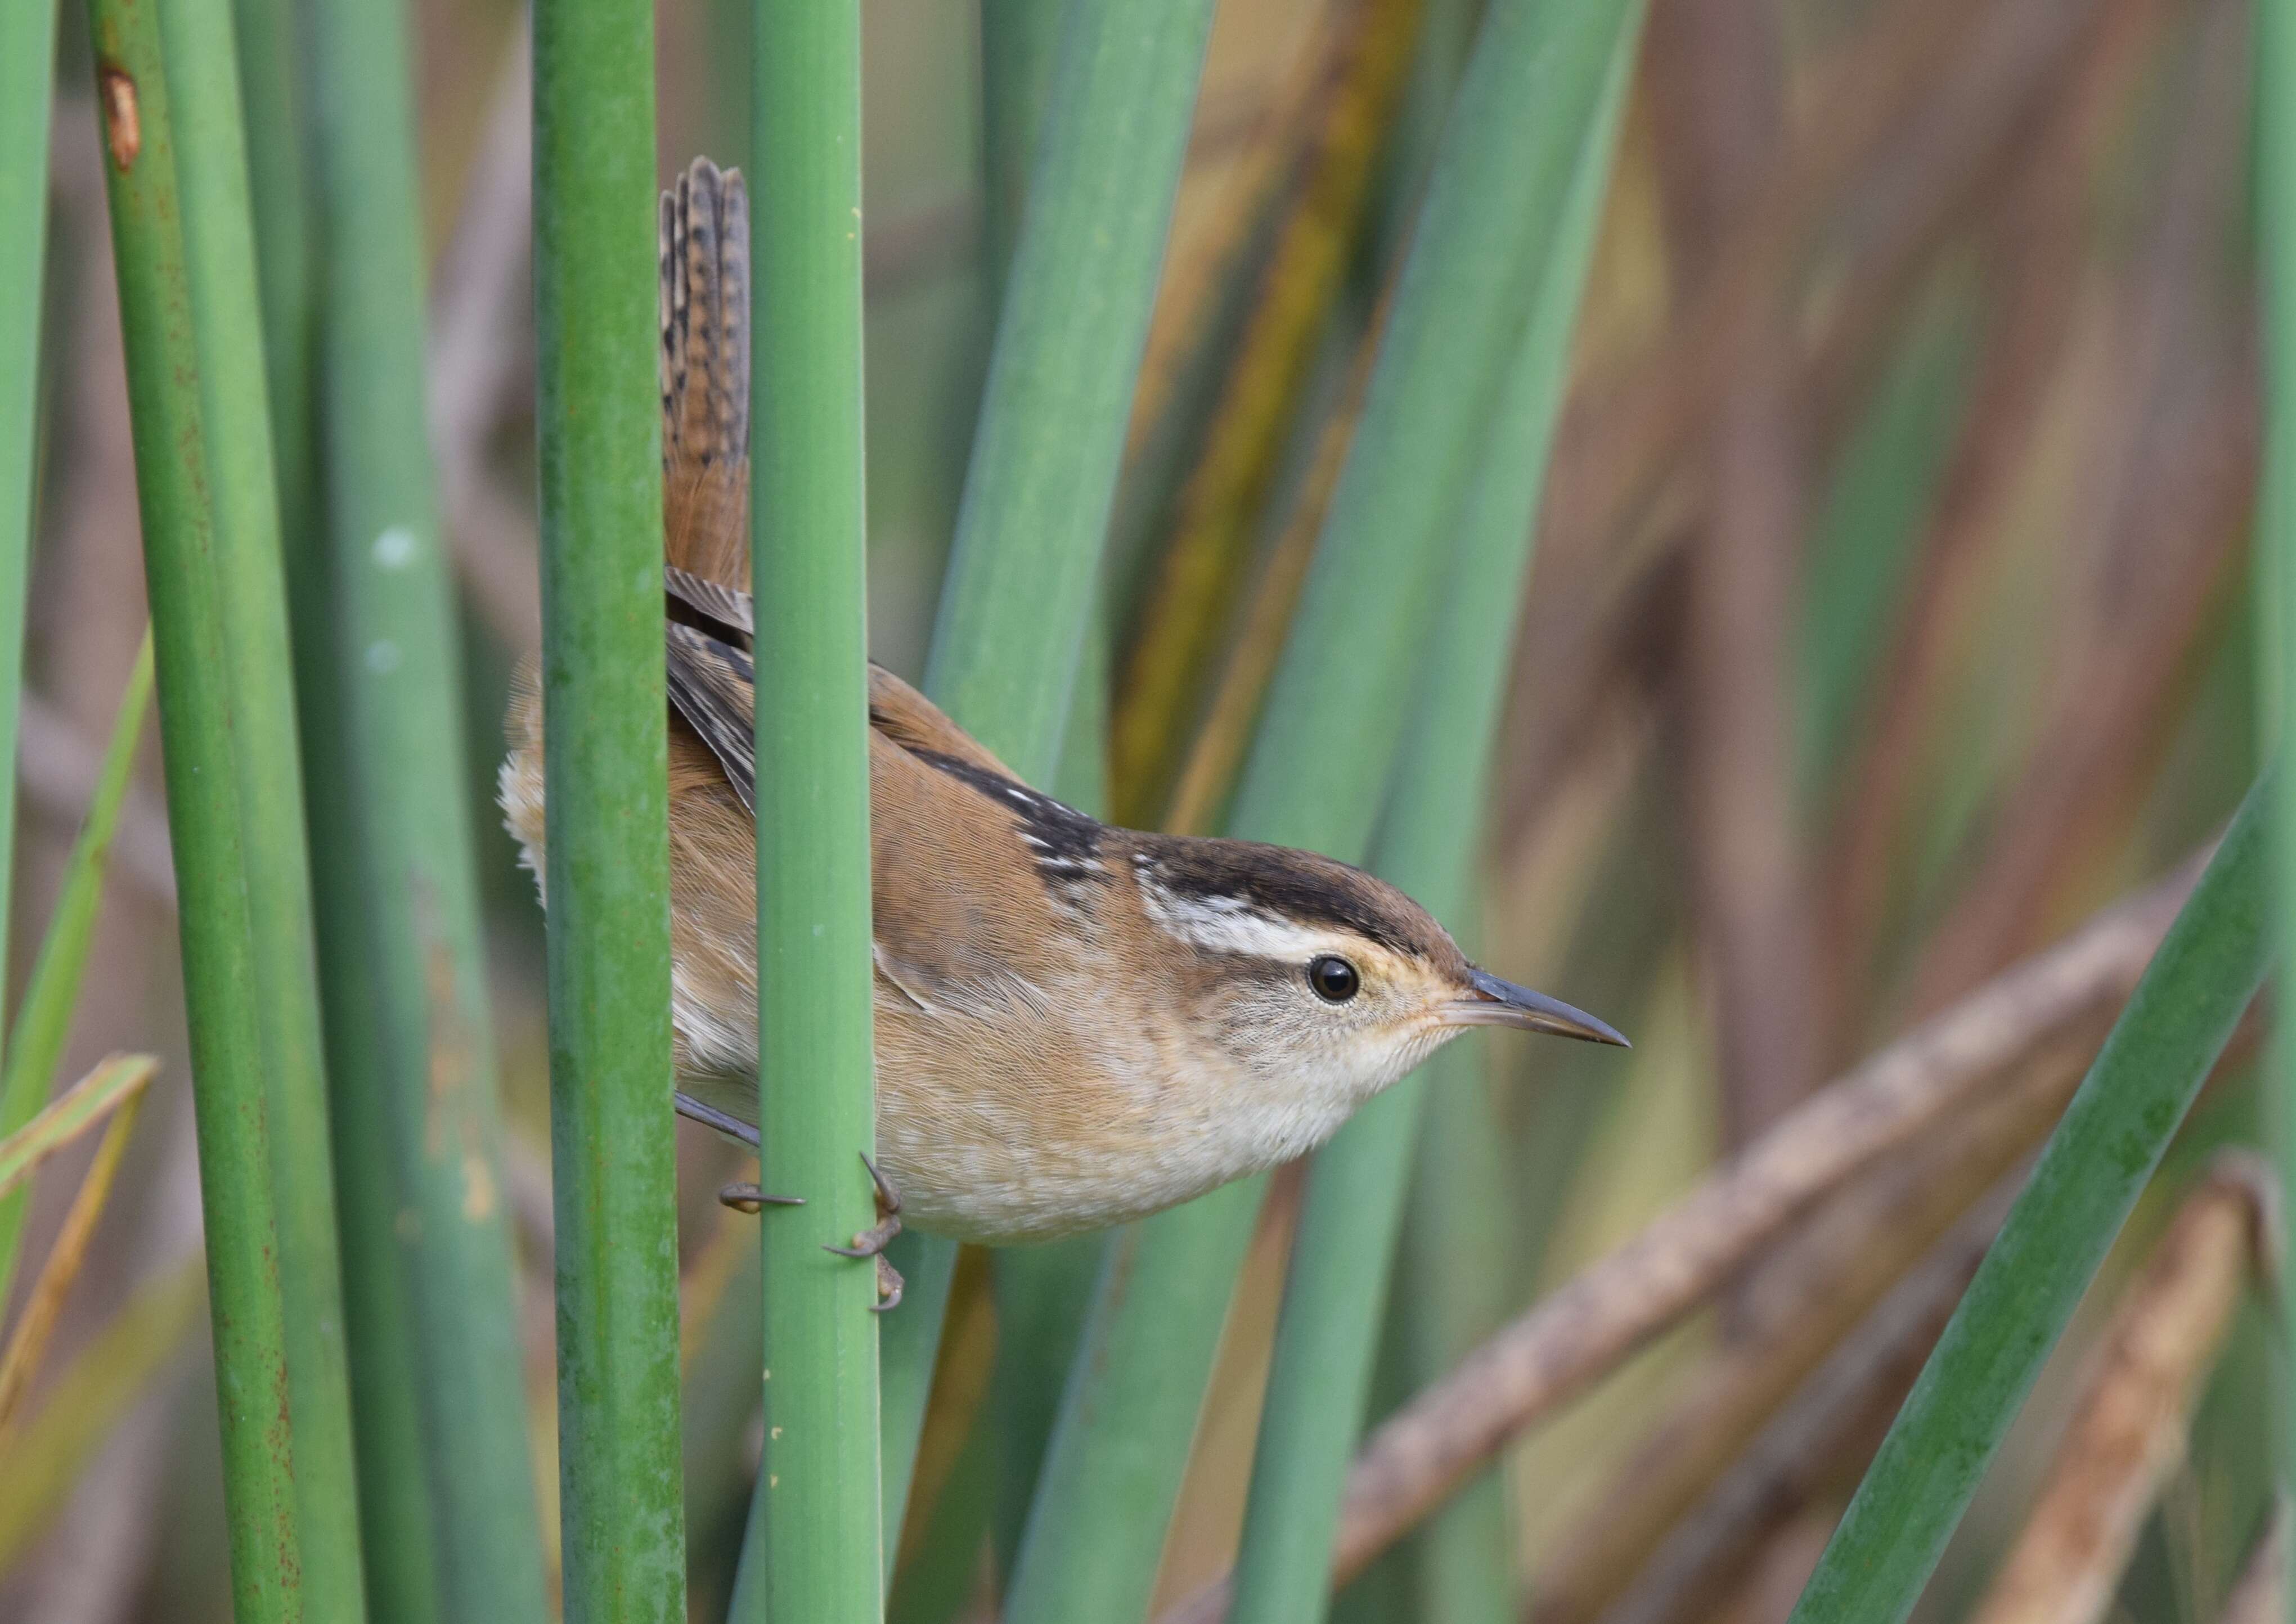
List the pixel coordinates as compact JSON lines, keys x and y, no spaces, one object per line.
{"x":933,"y":815}
{"x":704,"y":255}
{"x":712,"y":686}
{"x":896,"y":710}
{"x":725,"y":610}
{"x":711,"y":683}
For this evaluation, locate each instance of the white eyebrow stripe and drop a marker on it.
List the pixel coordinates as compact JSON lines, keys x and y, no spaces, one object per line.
{"x":1228,"y":924}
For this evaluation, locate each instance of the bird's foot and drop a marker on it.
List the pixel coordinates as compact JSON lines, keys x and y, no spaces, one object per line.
{"x":889,"y":1286}
{"x":871,"y":1242}
{"x":749,"y":1198}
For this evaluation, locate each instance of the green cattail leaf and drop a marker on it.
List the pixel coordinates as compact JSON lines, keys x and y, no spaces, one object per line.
{"x":2095,"y":1165}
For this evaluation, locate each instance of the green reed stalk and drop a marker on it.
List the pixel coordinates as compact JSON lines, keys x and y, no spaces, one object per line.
{"x":1042,"y":481}
{"x":2094,"y":1166}
{"x":35,"y":1046}
{"x":28,"y":71}
{"x":1020,"y":40}
{"x":1330,"y":730}
{"x":394,"y":1500}
{"x":234,"y":1112}
{"x":815,"y":1545}
{"x":1335,"y":1295}
{"x":2276,"y":544}
{"x":219,"y":247}
{"x":607,"y":765}
{"x":270,"y":59}
{"x":406,"y":852}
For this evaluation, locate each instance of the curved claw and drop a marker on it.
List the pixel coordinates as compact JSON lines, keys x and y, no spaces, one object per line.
{"x":889,"y":1287}
{"x":749,"y":1198}
{"x":888,"y":1199}
{"x":870,"y":1242}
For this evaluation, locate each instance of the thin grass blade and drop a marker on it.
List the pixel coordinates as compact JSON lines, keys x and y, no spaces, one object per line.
{"x":2095,"y":1167}
{"x":72,"y":1113}
{"x":47,"y":1451}
{"x":44,"y":1018}
{"x":19,"y":1361}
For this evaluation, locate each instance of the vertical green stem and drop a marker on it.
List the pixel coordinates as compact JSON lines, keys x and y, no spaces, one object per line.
{"x":2275,"y":541}
{"x":816,"y":1540}
{"x":1018,"y":39}
{"x":1335,"y":1295}
{"x":211,"y":161}
{"x":1042,"y":480}
{"x":393,"y":1498}
{"x":1043,"y":475}
{"x":408,"y":852}
{"x":233,"y":1113}
{"x":28,"y":69}
{"x":269,"y":60}
{"x":607,"y":784}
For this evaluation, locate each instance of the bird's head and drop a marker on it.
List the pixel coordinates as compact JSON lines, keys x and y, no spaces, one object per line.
{"x":1311,"y":972}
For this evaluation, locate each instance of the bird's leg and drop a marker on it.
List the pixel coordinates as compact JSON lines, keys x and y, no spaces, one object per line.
{"x":871,"y":1242}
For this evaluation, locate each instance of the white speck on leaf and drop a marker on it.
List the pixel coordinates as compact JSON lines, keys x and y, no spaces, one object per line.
{"x":395,"y":548}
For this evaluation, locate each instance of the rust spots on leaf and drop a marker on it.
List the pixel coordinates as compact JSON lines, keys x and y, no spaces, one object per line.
{"x":123,"y":127}
{"x":451,"y":1126}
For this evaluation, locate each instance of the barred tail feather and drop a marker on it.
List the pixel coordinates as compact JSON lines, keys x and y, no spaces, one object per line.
{"x":705,"y":374}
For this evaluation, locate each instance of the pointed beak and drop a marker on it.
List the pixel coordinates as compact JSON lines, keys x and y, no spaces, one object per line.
{"x":1496,"y":1003}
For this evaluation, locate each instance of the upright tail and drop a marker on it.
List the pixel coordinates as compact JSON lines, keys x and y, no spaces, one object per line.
{"x":705,"y":374}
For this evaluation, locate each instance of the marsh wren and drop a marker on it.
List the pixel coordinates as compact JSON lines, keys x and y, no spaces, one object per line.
{"x":1076,"y":1025}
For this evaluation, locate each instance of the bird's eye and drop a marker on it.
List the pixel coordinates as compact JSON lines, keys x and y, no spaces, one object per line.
{"x":1333,"y":979}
